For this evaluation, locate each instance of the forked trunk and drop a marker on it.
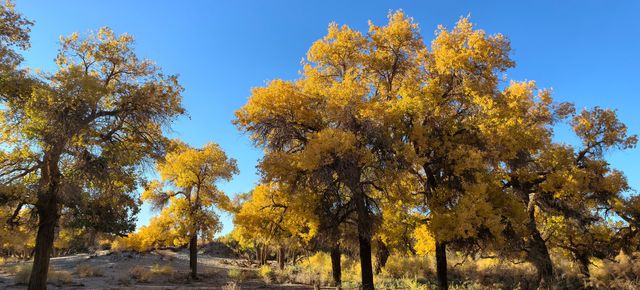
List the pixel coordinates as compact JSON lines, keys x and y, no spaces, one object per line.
{"x":441,"y":265}
{"x":336,"y":267}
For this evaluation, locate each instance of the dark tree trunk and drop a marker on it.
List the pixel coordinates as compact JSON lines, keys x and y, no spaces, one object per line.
{"x":281,"y":257}
{"x":541,"y":260}
{"x":382,"y":255}
{"x":583,"y":262}
{"x":364,"y":239}
{"x":193,"y":255}
{"x":47,"y":209}
{"x":352,"y":175}
{"x":336,"y":267}
{"x":365,"y":263}
{"x":441,"y":265}
{"x":48,"y":216}
{"x":538,"y":251}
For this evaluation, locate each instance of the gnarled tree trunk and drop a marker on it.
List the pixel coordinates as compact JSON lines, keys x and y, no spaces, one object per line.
{"x":48,"y":216}
{"x":538,"y":251}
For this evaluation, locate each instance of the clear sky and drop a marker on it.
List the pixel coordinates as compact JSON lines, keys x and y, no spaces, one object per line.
{"x":587,"y":51}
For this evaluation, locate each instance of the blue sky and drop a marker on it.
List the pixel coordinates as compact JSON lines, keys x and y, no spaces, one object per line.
{"x":587,"y":51}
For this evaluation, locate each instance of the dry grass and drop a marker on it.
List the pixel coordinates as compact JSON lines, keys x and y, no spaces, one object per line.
{"x":621,"y":273}
{"x":162,"y":270}
{"x":240,"y":275}
{"x":231,"y":286}
{"x":85,"y":270}
{"x":60,"y":277}
{"x":140,"y":274}
{"x":23,"y":272}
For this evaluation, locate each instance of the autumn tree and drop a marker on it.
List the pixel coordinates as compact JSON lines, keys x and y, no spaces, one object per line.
{"x":269,"y":217}
{"x":187,"y":192}
{"x":81,"y":132}
{"x":14,"y":35}
{"x":573,"y":185}
{"x":330,"y":126}
{"x":448,"y":151}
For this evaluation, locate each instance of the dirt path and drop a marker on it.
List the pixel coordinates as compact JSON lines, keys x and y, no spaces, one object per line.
{"x":114,"y":272}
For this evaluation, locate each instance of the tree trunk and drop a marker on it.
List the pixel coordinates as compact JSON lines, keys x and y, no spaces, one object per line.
{"x":382,"y":255}
{"x":365,"y":263}
{"x":364,"y":239}
{"x":538,"y":251}
{"x":264,"y":255}
{"x":258,"y":253}
{"x":352,"y":175}
{"x":193,"y":255}
{"x":47,"y":209}
{"x":441,"y":265}
{"x":583,"y":262}
{"x":92,"y":243}
{"x":541,"y":260}
{"x":336,"y":267}
{"x":48,"y":219}
{"x":281,"y":257}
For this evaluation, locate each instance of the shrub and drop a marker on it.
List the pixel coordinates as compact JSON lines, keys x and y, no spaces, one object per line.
{"x":266,"y":273}
{"x":315,"y":270}
{"x":140,"y":273}
{"x":85,"y":270}
{"x":233,"y":274}
{"x":240,"y":275}
{"x":285,"y":275}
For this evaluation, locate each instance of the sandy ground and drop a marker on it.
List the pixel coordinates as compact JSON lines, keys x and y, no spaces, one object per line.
{"x":114,"y":268}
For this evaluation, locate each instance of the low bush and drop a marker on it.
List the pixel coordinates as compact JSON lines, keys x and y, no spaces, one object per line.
{"x":266,"y":273}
